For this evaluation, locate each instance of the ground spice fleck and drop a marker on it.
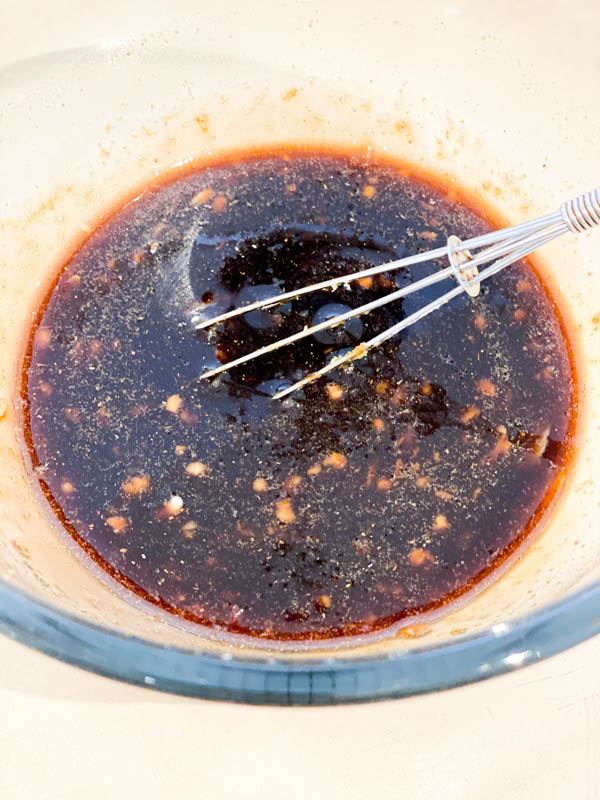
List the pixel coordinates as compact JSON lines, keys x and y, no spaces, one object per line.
{"x":219,"y":204}
{"x":469,"y":413}
{"x":137,"y":484}
{"x":285,"y":512}
{"x":324,"y":601}
{"x":419,"y":556}
{"x":335,"y":460}
{"x":334,"y":391}
{"x":201,"y":197}
{"x":198,"y":469}
{"x":189,"y":529}
{"x":118,"y":524}
{"x":173,"y":403}
{"x":486,"y":387}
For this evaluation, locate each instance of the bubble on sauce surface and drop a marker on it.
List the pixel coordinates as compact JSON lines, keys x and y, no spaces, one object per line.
{"x":260,"y":319}
{"x":349,"y":331}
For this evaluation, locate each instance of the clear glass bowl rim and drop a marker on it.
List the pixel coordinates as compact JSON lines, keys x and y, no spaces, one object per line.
{"x":504,"y":647}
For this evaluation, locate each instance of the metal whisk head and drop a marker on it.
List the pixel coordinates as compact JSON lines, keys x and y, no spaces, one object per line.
{"x":498,"y":250}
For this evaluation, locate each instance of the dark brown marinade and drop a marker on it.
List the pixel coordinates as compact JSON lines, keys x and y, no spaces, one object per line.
{"x":385,"y":491}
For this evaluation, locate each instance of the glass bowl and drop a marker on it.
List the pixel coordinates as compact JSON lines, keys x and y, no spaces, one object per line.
{"x":97,"y":107}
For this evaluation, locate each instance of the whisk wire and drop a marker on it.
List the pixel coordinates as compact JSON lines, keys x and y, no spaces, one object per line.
{"x":495,"y":251}
{"x":390,"y":266}
{"x":361,"y":350}
{"x":502,"y":247}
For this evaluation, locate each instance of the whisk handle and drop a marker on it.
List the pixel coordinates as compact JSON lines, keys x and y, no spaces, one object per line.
{"x":582,"y":213}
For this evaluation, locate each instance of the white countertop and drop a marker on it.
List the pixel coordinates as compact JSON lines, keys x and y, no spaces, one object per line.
{"x":68,"y":734}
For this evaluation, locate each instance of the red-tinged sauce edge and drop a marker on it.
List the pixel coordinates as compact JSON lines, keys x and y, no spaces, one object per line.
{"x":439,"y":181}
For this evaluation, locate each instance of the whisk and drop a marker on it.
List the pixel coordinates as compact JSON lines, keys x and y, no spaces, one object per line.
{"x":499,"y":249}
